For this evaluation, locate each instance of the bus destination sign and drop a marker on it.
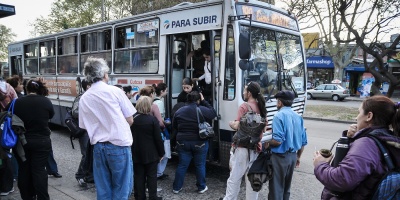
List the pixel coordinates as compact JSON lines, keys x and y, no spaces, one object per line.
{"x":267,"y":16}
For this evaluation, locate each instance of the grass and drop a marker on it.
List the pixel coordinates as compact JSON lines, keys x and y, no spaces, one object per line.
{"x":331,"y":112}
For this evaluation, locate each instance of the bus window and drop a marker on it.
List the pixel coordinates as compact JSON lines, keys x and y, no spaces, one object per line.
{"x":67,"y":45}
{"x":96,"y":41}
{"x":137,"y":48}
{"x":67,"y":62}
{"x":47,"y":57}
{"x":31,"y":52}
{"x":136,"y":61}
{"x":230,"y":63}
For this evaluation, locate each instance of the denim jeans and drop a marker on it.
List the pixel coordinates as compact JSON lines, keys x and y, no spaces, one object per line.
{"x":161,"y":166}
{"x":112,"y":171}
{"x":51,"y":166}
{"x":188,"y":150}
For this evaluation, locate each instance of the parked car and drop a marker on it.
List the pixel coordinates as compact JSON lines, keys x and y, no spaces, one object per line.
{"x":328,"y":91}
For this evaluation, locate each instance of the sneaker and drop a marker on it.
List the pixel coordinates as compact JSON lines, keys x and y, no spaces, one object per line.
{"x":81,"y":182}
{"x":6,"y":193}
{"x":176,"y":191}
{"x":203,"y":190}
{"x":158,"y":189}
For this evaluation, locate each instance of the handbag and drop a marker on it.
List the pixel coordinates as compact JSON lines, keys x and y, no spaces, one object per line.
{"x":8,"y":137}
{"x":261,"y":170}
{"x":205,"y":129}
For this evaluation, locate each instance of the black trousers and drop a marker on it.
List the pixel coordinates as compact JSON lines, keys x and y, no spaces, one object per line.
{"x":6,"y":175}
{"x":145,"y":173}
{"x":32,"y":178}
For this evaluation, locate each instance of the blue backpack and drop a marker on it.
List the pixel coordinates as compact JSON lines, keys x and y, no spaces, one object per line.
{"x":389,"y":186}
{"x":8,"y":137}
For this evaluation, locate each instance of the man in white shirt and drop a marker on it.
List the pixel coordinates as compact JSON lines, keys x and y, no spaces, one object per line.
{"x":106,"y":114}
{"x":207,"y":87}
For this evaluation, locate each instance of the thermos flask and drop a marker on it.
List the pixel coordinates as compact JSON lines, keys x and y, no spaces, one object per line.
{"x":341,"y":150}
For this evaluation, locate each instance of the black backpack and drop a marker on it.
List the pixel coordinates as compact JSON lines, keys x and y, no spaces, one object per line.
{"x":389,"y":186}
{"x":250,"y":127}
{"x":72,"y":122}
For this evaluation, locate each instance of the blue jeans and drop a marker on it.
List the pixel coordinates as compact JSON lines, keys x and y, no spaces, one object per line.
{"x":112,"y":171}
{"x":161,"y":166}
{"x":188,"y":150}
{"x":51,"y":166}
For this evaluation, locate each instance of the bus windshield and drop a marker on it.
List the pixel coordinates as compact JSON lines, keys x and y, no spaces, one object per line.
{"x":275,"y":54}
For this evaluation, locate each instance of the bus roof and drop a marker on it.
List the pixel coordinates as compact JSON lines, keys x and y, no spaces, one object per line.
{"x":178,"y":7}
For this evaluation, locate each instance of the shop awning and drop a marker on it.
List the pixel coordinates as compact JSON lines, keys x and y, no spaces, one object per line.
{"x":320,"y":62}
{"x":355,"y":67}
{"x":6,"y":10}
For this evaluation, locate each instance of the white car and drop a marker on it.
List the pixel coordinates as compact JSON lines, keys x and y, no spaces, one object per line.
{"x":328,"y":91}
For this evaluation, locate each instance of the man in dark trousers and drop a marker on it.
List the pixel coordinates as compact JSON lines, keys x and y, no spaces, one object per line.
{"x":288,"y":140}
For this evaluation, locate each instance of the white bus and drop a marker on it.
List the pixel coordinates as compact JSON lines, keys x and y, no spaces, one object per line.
{"x":248,"y":40}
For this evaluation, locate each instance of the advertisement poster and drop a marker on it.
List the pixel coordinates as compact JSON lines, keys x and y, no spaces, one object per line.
{"x":365,"y":85}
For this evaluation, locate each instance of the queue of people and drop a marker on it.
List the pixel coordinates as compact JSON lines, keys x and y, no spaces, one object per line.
{"x":128,"y":145}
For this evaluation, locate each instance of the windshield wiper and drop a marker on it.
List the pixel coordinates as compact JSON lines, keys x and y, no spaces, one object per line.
{"x":281,"y":82}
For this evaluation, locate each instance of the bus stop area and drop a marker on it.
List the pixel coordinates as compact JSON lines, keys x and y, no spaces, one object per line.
{"x":67,"y":188}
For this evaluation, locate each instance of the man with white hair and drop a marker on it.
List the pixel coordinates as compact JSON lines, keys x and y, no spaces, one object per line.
{"x":106,"y":114}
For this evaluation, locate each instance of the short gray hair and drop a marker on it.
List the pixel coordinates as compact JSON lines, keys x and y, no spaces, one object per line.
{"x":95,"y":69}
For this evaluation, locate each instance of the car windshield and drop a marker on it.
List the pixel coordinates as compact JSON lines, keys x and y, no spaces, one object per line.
{"x":267,"y":47}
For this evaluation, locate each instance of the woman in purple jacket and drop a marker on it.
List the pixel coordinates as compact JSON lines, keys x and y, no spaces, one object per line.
{"x":357,"y":175}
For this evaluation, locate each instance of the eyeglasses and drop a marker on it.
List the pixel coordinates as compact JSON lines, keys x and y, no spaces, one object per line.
{"x":249,"y":83}
{"x":36,"y":85}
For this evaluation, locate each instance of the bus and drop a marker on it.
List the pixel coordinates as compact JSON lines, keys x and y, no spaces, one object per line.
{"x":248,"y":40}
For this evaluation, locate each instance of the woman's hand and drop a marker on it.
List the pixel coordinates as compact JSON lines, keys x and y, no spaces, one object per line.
{"x":319,"y":159}
{"x":201,"y":96}
{"x":234,"y":124}
{"x":352,"y":130}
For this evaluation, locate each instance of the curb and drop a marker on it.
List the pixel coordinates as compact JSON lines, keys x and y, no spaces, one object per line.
{"x":329,"y":120}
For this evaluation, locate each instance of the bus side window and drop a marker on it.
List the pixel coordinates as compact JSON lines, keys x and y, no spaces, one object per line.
{"x":230,"y":73}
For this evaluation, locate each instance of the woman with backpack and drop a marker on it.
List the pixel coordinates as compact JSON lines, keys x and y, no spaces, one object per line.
{"x":243,"y":156}
{"x":358,"y":174}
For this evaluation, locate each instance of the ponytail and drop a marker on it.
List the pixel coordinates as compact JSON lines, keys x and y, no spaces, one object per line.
{"x":38,"y":87}
{"x":396,"y":120}
{"x":255,"y":90}
{"x":159,"y":87}
{"x":261,"y":105}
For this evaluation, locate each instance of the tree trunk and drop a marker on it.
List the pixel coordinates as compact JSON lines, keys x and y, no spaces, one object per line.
{"x":391,"y":90}
{"x":375,"y":88}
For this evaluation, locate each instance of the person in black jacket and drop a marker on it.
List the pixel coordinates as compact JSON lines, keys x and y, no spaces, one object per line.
{"x":187,"y":86}
{"x":189,"y":144}
{"x":147,"y":149}
{"x":35,"y":110}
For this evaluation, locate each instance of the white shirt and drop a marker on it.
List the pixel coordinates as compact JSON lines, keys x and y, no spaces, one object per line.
{"x":160,"y":104}
{"x":103,"y":110}
{"x":207,"y":73}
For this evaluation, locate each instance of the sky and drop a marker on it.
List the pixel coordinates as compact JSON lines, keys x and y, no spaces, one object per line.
{"x":26,"y":11}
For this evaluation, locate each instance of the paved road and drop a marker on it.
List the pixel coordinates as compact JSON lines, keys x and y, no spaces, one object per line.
{"x":304,"y":186}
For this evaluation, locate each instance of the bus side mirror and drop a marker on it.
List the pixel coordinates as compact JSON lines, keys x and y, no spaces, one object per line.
{"x":244,"y":46}
{"x":245,"y":64}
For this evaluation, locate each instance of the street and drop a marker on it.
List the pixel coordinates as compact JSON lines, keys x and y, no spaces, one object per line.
{"x":304,"y":186}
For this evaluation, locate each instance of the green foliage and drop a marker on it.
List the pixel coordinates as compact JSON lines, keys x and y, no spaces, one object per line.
{"x":6,"y":37}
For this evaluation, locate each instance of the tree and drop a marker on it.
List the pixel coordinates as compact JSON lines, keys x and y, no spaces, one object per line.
{"x":380,"y":16}
{"x":6,"y":37}
{"x":322,"y":14}
{"x":67,"y":14}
